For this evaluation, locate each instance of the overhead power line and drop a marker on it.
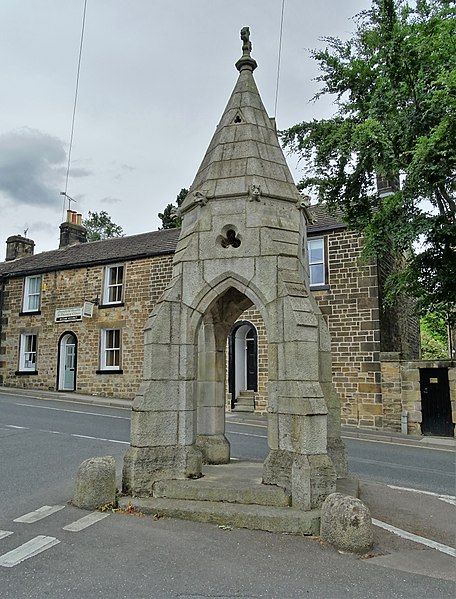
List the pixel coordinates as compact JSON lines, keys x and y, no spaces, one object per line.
{"x":75,"y":103}
{"x":278,"y":58}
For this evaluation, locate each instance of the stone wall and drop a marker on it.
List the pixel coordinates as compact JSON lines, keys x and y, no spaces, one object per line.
{"x":145,"y":281}
{"x":401,"y":390}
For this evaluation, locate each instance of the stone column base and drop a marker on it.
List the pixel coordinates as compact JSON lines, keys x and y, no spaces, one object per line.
{"x":215,"y":449}
{"x":143,"y":466}
{"x":310,"y":478}
{"x":336,"y":451}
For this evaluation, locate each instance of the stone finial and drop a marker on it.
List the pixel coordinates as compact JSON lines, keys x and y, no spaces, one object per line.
{"x":246,"y":43}
{"x":246,"y":62}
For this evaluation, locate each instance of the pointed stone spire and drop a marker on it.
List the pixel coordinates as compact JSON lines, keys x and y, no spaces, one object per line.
{"x":244,"y":157}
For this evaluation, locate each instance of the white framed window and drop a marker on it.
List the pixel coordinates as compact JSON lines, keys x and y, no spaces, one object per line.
{"x":110,"y":349}
{"x":27,"y":352}
{"x":113,"y":284}
{"x":316,"y":252}
{"x":32,"y":294}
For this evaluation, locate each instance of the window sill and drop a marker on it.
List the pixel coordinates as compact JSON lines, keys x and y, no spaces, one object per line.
{"x":25,"y":372}
{"x":116,"y":305}
{"x":30,"y":313}
{"x":320,"y":288}
{"x":119,"y":371}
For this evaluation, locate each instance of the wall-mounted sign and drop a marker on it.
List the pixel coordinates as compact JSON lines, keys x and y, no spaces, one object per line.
{"x":87,"y":309}
{"x":68,"y":314}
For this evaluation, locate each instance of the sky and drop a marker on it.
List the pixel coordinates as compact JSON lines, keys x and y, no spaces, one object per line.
{"x":155,"y":77}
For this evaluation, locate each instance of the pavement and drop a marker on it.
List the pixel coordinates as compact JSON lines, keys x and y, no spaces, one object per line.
{"x":348,"y":431}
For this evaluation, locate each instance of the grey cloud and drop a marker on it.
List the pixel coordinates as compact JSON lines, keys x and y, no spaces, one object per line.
{"x":109,"y":200}
{"x":32,"y":167}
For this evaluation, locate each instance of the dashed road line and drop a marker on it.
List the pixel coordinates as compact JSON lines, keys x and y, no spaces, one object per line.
{"x":27,"y":550}
{"x":39,"y":514}
{"x":416,"y":538}
{"x":18,"y":427}
{"x":451,"y":499}
{"x":5,"y":533}
{"x":85,"y":521}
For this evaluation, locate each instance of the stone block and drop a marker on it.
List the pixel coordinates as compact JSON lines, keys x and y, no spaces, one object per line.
{"x":95,"y":484}
{"x":346,"y":523}
{"x":193,"y":276}
{"x":302,"y":434}
{"x":143,"y":466}
{"x":153,"y":429}
{"x":186,"y":431}
{"x":211,"y":420}
{"x":161,"y":362}
{"x":278,"y":242}
{"x":215,"y":449}
{"x":298,"y":360}
{"x":165,"y":395}
{"x":215,"y":268}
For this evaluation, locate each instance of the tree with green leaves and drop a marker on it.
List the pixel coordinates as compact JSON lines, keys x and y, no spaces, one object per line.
{"x":100,"y":226}
{"x":394,"y":85}
{"x":434,"y":337}
{"x":169,"y":217}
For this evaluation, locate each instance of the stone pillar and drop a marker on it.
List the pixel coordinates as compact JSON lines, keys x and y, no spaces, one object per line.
{"x":391,"y":390}
{"x":163,"y":419}
{"x":211,"y":440}
{"x":297,"y":426}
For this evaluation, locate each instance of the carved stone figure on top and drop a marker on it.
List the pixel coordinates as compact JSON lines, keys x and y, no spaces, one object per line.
{"x":246,"y":43}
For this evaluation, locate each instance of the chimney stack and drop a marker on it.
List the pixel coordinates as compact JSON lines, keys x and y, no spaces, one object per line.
{"x":387,"y":185}
{"x":72,"y":231}
{"x":19,"y":247}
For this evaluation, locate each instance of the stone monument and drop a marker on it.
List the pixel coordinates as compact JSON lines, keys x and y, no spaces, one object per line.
{"x":242,"y":244}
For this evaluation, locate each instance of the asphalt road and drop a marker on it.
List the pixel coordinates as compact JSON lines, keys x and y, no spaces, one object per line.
{"x":43,"y":441}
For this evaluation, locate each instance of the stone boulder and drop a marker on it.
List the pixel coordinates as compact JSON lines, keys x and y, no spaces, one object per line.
{"x":346,"y":523}
{"x":95,"y":483}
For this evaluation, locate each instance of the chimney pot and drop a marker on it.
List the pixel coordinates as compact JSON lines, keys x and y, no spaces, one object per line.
{"x":72,"y":231}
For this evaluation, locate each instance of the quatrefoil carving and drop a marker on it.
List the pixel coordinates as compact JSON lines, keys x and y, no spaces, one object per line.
{"x":230,"y":239}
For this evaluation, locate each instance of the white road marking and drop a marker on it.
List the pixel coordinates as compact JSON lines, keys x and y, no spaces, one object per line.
{"x":100,"y":439}
{"x":394,"y":443}
{"x":85,"y":521}
{"x":416,"y":538}
{"x":5,"y":533}
{"x":246,"y":434}
{"x":245,"y":424}
{"x":399,"y":466}
{"x":39,"y":514}
{"x":70,"y":401}
{"x":451,"y":499}
{"x":26,"y":405}
{"x":14,"y":426}
{"x":27,"y":550}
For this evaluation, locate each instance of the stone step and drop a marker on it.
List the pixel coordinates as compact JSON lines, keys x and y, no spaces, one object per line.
{"x":246,"y":394}
{"x":243,"y":408}
{"x":215,"y":489}
{"x":253,"y":517}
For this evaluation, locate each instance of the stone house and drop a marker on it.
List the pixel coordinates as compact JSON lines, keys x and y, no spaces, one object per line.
{"x":73,"y":319}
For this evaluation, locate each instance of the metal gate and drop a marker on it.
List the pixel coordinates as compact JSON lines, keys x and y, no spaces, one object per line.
{"x":435,"y":402}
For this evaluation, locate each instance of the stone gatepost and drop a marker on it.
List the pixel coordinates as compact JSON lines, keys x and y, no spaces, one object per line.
{"x":242,"y":243}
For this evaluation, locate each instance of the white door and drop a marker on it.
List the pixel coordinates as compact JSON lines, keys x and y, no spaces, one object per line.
{"x":67,"y":370}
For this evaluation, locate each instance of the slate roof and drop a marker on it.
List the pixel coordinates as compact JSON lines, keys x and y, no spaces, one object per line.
{"x":107,"y":251}
{"x":324,"y":221}
{"x":133,"y":247}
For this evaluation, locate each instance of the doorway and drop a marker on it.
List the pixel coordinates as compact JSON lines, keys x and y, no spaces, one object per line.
{"x":242,"y":360}
{"x":435,"y":402}
{"x":67,"y":362}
